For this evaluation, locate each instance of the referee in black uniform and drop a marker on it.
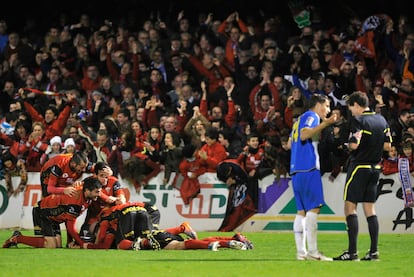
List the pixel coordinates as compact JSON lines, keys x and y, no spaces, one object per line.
{"x":370,"y":136}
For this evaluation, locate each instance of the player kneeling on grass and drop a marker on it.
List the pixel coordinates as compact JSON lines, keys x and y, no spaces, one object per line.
{"x":56,"y":209}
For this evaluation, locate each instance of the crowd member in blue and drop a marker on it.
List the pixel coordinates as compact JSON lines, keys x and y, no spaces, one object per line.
{"x":306,"y":176}
{"x":370,"y":136}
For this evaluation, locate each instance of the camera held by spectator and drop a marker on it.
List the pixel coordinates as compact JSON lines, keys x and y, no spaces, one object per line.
{"x":83,"y":114}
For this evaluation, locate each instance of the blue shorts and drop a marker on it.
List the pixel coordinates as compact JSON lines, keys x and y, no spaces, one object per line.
{"x":308,"y":190}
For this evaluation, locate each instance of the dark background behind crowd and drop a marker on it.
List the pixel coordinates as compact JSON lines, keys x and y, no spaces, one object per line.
{"x":136,"y":80}
{"x":41,"y":14}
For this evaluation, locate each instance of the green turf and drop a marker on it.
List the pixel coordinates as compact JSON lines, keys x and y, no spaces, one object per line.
{"x":274,"y":255}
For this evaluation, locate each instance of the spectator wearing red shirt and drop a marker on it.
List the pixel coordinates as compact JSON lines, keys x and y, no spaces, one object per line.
{"x":37,"y":144}
{"x":210,"y":69}
{"x":252,"y":155}
{"x":236,"y":28}
{"x":390,"y":162}
{"x":211,"y":153}
{"x":92,"y":79}
{"x":102,"y":147}
{"x":17,"y":142}
{"x":123,"y":72}
{"x":217,"y":111}
{"x":53,"y":121}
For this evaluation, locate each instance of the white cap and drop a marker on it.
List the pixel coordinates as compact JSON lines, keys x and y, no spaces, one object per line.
{"x":69,"y":141}
{"x":97,"y":92}
{"x":56,"y":139}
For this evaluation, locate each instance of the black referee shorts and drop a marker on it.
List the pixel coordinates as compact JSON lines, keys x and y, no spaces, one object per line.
{"x":361,"y":183}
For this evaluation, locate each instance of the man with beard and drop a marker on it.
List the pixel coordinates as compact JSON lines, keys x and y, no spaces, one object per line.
{"x":56,"y":209}
{"x":59,"y":175}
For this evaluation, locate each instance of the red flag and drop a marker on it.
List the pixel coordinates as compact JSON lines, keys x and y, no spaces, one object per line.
{"x":365,"y":44}
{"x":189,"y":189}
{"x":242,"y":200}
{"x":372,"y":25}
{"x":240,"y":207}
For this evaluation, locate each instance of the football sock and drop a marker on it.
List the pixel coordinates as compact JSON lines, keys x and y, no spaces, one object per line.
{"x":125,"y":244}
{"x":196,"y":244}
{"x":224,"y":243}
{"x":373,"y":228}
{"x":311,"y":231}
{"x":222,"y":240}
{"x":352,"y":223}
{"x":175,"y":230}
{"x":300,"y":234}
{"x":37,"y":242}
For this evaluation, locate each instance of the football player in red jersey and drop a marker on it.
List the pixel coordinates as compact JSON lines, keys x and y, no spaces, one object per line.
{"x":55,"y":209}
{"x":59,"y":174}
{"x":129,"y":227}
{"x":111,"y":194}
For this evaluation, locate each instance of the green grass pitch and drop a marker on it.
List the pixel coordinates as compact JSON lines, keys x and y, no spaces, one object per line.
{"x":273,"y":255}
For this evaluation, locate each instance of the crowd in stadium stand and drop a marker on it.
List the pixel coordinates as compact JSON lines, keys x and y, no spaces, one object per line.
{"x":182,"y":96}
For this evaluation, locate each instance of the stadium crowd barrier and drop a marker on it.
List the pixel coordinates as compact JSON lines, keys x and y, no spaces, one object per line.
{"x":276,"y":206}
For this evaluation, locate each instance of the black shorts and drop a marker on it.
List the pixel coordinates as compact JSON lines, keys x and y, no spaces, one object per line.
{"x":49,"y":228}
{"x":164,"y":238}
{"x":154,"y":214}
{"x":361,"y":183}
{"x":133,"y":222}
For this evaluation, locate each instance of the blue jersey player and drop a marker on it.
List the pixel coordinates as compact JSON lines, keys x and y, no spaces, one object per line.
{"x":306,"y":177}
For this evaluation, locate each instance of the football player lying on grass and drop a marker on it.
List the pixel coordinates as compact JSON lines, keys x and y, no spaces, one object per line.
{"x":129,"y":226}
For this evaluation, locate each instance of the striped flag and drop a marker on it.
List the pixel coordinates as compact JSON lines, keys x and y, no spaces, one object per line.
{"x":405,"y":177}
{"x":43,"y":92}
